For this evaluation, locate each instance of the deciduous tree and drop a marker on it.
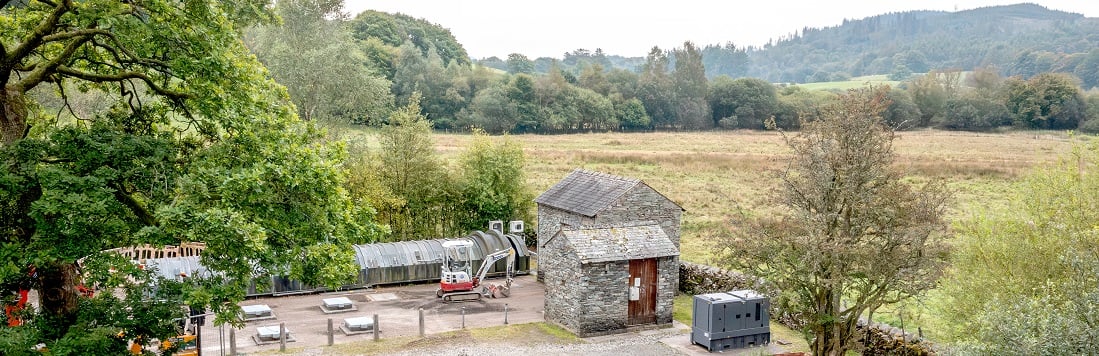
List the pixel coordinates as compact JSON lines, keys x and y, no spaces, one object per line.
{"x":691,"y":86}
{"x":492,"y":181}
{"x":313,"y":55}
{"x":852,"y":235}
{"x":197,"y":145}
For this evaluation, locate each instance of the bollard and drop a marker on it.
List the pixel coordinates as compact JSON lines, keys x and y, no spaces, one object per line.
{"x":375,"y":327}
{"x":421,"y":322}
{"x":505,"y":313}
{"x":233,"y":341}
{"x":331,"y":336}
{"x":282,"y":337}
{"x":463,"y":317}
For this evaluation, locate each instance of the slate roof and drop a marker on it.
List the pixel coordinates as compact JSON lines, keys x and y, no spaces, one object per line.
{"x":602,"y":244}
{"x":585,"y":192}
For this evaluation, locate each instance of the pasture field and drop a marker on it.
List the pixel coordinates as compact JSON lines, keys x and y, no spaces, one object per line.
{"x":856,"y":82}
{"x":721,"y":176}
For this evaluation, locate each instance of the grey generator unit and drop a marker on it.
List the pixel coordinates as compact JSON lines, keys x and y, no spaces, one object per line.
{"x":734,"y":319}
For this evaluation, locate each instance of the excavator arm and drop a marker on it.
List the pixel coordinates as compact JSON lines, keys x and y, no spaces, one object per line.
{"x":491,"y":260}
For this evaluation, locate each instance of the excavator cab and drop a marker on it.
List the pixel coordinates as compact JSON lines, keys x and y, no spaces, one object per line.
{"x":457,"y":267}
{"x":459,"y":282}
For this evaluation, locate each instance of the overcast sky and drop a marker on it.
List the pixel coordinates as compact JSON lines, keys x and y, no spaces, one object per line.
{"x":630,"y":28}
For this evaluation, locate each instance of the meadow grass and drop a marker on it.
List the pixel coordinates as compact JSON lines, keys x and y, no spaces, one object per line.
{"x":853,"y":83}
{"x":722,"y":176}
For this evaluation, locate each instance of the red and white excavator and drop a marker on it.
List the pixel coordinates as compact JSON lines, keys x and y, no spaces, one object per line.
{"x":458,"y":283}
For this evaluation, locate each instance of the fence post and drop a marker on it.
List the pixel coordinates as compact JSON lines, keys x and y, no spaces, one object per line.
{"x":505,"y":313}
{"x":463,"y":317}
{"x":233,"y":341}
{"x":421,"y":322}
{"x":331,"y":336}
{"x":375,"y":327}
{"x":282,"y":337}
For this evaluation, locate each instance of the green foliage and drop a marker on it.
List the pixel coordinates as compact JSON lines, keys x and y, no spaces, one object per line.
{"x":395,"y":29}
{"x":900,"y":72}
{"x":852,"y":235}
{"x":689,"y":78}
{"x":494,"y":111}
{"x":631,"y":113}
{"x":1091,"y":124}
{"x":931,"y":91}
{"x":797,"y":105}
{"x":1023,"y":276}
{"x":973,"y":112}
{"x":493,"y":183}
{"x":410,"y":170}
{"x":902,"y":113}
{"x":1088,"y":70}
{"x":518,"y":63}
{"x":313,"y":55}
{"x":199,"y":145}
{"x":656,"y":89}
{"x":1047,"y":101}
{"x":748,"y":101}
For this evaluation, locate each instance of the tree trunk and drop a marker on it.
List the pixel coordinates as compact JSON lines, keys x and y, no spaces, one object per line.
{"x":13,"y":116}
{"x":57,"y":285}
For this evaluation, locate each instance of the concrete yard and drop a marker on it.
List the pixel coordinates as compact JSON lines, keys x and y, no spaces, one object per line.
{"x":397,"y":308}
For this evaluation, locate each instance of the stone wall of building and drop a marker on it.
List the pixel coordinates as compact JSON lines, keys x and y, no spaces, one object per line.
{"x":549,"y":222}
{"x":641,"y":203}
{"x":604,"y":298}
{"x":667,"y":282}
{"x":560,"y":273}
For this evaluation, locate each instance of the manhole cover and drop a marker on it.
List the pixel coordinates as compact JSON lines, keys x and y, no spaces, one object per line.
{"x":381,"y":297}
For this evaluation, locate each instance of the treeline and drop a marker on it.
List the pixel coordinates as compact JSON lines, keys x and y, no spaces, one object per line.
{"x":357,"y":70}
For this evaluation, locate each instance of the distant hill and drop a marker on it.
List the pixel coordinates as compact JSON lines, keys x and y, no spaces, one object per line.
{"x":1023,"y":39}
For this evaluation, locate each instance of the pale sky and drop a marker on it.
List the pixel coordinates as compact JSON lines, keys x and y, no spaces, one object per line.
{"x":630,"y":28}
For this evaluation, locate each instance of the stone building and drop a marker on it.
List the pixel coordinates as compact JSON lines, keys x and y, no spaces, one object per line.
{"x":608,"y":253}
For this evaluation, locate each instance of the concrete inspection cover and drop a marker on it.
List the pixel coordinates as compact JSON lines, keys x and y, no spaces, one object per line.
{"x":381,"y":297}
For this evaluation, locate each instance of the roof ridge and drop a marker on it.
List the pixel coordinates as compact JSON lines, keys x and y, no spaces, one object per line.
{"x":608,"y":175}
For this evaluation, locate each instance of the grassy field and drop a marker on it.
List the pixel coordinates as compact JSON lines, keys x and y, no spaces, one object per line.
{"x":721,"y":176}
{"x":856,"y":82}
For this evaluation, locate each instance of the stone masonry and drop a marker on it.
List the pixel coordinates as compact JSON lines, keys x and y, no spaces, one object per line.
{"x":587,"y":289}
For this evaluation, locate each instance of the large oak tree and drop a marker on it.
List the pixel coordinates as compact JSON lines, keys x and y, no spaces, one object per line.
{"x":198,"y":144}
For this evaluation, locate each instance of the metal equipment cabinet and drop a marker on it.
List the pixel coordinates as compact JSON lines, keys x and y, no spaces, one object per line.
{"x":730,"y":320}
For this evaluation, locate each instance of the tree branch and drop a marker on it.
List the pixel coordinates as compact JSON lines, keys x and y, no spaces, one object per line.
{"x":33,"y":39}
{"x":120,"y":47}
{"x":135,"y":206}
{"x":77,"y":33}
{"x":43,"y":72}
{"x":121,"y":76}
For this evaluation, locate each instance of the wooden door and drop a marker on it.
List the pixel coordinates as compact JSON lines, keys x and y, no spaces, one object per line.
{"x":643,"y":276}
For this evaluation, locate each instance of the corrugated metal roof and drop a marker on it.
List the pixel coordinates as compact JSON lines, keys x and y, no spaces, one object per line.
{"x":602,"y":244}
{"x":585,"y":192}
